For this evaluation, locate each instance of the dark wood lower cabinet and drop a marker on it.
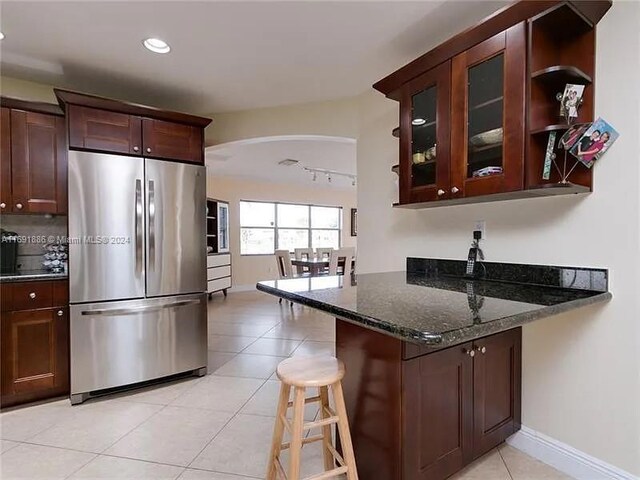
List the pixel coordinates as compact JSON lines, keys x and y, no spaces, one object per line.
{"x":35,"y":347}
{"x":420,"y":414}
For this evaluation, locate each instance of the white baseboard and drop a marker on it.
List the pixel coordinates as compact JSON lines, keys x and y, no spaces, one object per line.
{"x":565,"y":458}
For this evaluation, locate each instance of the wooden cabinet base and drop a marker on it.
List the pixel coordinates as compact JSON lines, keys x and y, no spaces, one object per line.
{"x":426,"y":417}
{"x":35,"y":342}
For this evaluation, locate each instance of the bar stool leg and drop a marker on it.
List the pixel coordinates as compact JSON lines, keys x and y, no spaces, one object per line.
{"x":278,"y":430}
{"x":345,"y":435}
{"x":329,"y":463}
{"x":296,"y":435}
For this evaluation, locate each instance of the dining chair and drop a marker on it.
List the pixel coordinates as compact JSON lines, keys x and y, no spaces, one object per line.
{"x":337,"y":257}
{"x":303,"y":253}
{"x":285,"y":268}
{"x":324,"y":252}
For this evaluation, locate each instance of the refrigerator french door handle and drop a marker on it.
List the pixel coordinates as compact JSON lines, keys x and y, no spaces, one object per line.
{"x":152,"y":226}
{"x":138,"y":225}
{"x":135,"y":310}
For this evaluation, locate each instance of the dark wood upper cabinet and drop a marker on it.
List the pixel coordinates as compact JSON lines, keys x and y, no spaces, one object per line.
{"x":438,"y":399}
{"x":38,"y":163}
{"x":34,"y":357}
{"x":503,"y":76}
{"x":5,"y":161}
{"x":113,"y":126}
{"x":170,"y":140}
{"x":425,"y":136}
{"x":488,"y":115}
{"x":94,"y":129}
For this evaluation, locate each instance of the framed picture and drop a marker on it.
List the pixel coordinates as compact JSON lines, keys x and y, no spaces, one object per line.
{"x":354,"y":222}
{"x":594,"y":142}
{"x":571,"y":99}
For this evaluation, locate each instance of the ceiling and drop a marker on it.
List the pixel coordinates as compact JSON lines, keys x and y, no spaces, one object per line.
{"x":258,"y":158}
{"x":225,"y":56}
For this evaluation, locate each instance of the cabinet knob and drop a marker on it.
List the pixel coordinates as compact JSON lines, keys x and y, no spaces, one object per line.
{"x":148,"y":149}
{"x":19,"y":206}
{"x":440,"y":192}
{"x":136,"y":149}
{"x":3,"y":205}
{"x":455,"y":190}
{"x":471,"y":353}
{"x":60,"y":313}
{"x":482,"y":350}
{"x":32,"y":295}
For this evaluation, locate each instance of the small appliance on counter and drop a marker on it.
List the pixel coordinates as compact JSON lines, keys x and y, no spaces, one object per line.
{"x":9,"y":252}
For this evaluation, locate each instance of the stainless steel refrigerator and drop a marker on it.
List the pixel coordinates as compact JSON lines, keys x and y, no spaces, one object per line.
{"x":137,"y":270}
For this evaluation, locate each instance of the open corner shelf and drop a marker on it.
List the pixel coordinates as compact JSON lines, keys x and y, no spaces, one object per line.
{"x":538,"y":191}
{"x":562,"y":74}
{"x":558,"y":127}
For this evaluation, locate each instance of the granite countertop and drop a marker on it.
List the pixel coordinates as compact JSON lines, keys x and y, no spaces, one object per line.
{"x":30,"y":276}
{"x":431,"y":304}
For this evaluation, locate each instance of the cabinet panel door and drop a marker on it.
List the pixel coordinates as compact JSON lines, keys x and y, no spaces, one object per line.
{"x":94,"y":129}
{"x":172,"y":141}
{"x":425,"y":136}
{"x":38,"y":163}
{"x":488,"y":115}
{"x":496,"y":389}
{"x":437,"y":402}
{"x":34,"y":354}
{"x":5,"y":161}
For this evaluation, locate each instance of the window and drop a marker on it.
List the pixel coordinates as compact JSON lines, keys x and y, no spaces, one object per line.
{"x":269,"y":226}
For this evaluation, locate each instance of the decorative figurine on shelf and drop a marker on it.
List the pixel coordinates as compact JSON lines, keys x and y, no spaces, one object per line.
{"x":55,"y":258}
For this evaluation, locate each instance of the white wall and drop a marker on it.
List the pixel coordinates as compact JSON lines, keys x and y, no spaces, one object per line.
{"x":581,"y":370}
{"x":248,"y":270}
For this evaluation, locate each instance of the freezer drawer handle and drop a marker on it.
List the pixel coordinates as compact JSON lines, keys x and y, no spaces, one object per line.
{"x":110,"y":312}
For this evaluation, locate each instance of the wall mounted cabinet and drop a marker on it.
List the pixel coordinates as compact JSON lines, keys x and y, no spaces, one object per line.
{"x":111,"y":126}
{"x":33,"y":158}
{"x":475,"y":112}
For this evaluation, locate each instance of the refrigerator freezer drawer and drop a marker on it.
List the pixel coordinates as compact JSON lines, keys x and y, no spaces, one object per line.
{"x":120,"y":343}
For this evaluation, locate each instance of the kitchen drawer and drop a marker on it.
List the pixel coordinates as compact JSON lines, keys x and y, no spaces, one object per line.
{"x":34,"y":295}
{"x":218,"y":260}
{"x":219,"y":284}
{"x":218,"y":272}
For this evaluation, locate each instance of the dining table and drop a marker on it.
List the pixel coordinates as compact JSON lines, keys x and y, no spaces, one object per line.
{"x":312,"y":266}
{"x":316,"y":266}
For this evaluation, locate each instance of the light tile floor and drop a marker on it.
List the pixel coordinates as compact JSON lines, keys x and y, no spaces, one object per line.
{"x":213,"y":428}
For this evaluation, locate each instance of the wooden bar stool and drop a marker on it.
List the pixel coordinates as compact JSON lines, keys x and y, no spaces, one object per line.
{"x":321,"y":371}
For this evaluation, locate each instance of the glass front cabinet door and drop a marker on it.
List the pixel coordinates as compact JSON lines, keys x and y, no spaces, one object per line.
{"x":425,"y":136}
{"x":487,"y":116}
{"x":223,"y":227}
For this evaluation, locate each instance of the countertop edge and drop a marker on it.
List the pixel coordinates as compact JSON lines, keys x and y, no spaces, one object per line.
{"x":413,"y":336}
{"x":33,"y":278}
{"x":446,"y":339}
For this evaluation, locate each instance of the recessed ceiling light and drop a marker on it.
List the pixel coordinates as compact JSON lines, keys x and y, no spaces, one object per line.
{"x":418,"y":121}
{"x":1,"y":36}
{"x":156,"y":45}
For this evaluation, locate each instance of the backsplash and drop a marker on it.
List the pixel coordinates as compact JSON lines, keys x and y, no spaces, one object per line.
{"x":36,"y":229}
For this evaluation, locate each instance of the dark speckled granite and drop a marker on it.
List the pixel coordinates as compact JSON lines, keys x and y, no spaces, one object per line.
{"x":435,"y":307}
{"x":31,"y":276}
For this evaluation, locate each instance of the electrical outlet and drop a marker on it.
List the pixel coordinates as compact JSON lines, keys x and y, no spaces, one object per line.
{"x":482,"y":226}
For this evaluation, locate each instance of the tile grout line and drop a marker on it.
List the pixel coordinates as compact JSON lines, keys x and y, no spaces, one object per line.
{"x":504,"y":462}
